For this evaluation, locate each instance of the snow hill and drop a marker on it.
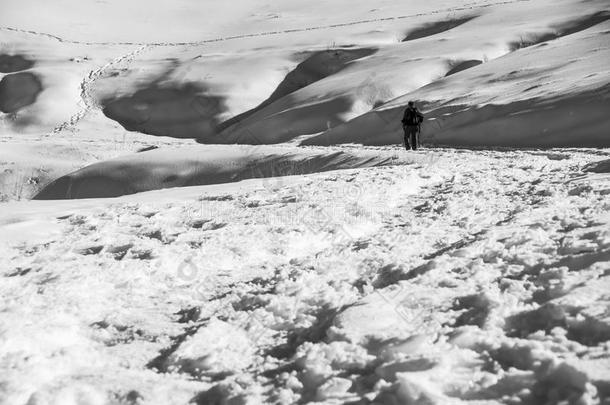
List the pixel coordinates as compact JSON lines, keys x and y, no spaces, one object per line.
{"x":209,"y":203}
{"x":486,"y":73}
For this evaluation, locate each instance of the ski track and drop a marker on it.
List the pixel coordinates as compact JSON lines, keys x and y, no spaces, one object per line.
{"x":506,"y":241}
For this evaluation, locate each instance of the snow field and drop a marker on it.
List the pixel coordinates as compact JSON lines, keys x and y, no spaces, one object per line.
{"x":442,"y":276}
{"x":478,"y":277}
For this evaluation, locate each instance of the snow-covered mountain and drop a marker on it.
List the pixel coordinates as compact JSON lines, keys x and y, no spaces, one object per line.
{"x":240,"y":224}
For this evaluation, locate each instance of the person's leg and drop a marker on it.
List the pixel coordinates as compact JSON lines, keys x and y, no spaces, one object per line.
{"x":406,"y":137}
{"x":413,"y":131}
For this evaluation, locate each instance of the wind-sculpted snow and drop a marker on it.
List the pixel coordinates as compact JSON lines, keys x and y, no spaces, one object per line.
{"x":436,"y":28}
{"x":561,"y":30}
{"x":451,"y":277}
{"x":463,"y":65}
{"x":197,"y":165}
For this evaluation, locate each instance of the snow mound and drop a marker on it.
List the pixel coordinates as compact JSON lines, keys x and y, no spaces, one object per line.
{"x":209,"y":352}
{"x":197,"y":165}
{"x":459,"y":66}
{"x":436,"y":28}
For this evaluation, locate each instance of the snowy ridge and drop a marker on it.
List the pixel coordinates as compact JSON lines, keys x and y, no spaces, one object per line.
{"x":156,"y":169}
{"x":267,"y":33}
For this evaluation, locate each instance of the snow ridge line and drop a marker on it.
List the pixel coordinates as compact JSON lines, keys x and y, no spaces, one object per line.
{"x":264,"y":33}
{"x":87,"y":102}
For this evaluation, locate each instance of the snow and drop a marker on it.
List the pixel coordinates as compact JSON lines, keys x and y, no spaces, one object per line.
{"x":408,"y":288}
{"x":525,"y":98}
{"x":209,"y":203}
{"x":163,"y":168}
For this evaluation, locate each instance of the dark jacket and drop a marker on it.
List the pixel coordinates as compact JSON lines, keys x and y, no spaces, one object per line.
{"x":412,"y":117}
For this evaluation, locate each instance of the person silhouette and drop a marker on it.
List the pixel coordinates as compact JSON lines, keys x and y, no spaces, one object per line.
{"x":411,"y":121}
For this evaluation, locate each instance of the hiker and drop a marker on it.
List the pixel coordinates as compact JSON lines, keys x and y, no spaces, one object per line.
{"x":411,"y":121}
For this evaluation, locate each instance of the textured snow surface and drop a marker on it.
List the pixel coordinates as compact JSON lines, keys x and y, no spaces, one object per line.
{"x":264,"y":238}
{"x":450,"y":277}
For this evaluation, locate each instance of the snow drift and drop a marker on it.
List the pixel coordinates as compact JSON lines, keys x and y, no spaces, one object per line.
{"x":199,"y":165}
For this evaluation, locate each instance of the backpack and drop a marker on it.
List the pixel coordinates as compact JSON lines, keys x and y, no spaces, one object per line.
{"x":411,"y":117}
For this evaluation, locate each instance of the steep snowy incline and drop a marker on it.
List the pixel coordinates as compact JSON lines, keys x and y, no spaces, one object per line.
{"x":552,"y":92}
{"x":462,"y":278}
